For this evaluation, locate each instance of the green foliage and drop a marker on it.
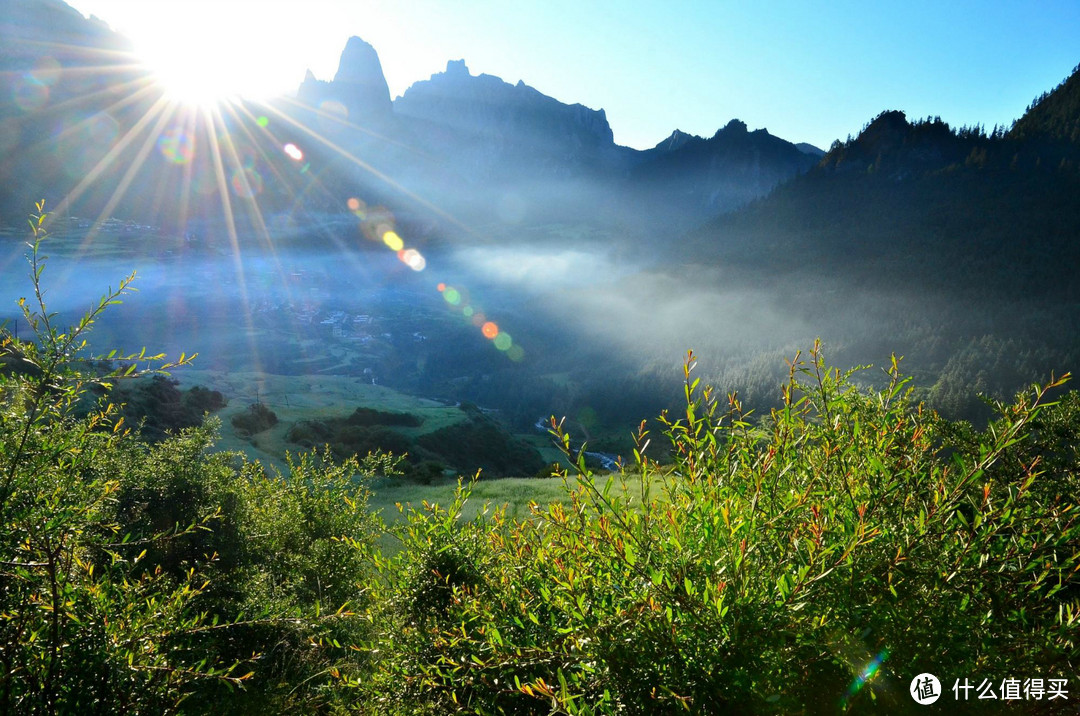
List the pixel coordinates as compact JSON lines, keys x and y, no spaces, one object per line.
{"x":767,"y":569}
{"x":150,"y":578}
{"x":255,"y":419}
{"x":811,"y":560}
{"x":370,"y":416}
{"x":475,"y":443}
{"x":480,"y":443}
{"x":82,"y":620}
{"x":159,"y":407}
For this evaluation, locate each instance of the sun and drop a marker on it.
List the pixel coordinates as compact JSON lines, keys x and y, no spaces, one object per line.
{"x":201,"y":57}
{"x":191,"y":72}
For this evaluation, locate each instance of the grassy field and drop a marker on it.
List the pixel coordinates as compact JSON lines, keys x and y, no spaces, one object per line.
{"x":294,"y":398}
{"x":304,"y":397}
{"x":513,"y":492}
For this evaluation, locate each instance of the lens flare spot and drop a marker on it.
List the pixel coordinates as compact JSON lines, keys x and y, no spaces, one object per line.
{"x":467,"y":311}
{"x":503,"y":341}
{"x":413,"y":259}
{"x":393,"y":241}
{"x":515,"y":353}
{"x":441,"y":287}
{"x":479,"y":319}
{"x":176,"y":146}
{"x":293,"y":152}
{"x":451,"y":296}
{"x":490,"y":330}
{"x":867,"y":674}
{"x":247,"y":183}
{"x":263,"y":122}
{"x":101,"y":130}
{"x":332,"y":115}
{"x":29,"y":94}
{"x":46,"y":71}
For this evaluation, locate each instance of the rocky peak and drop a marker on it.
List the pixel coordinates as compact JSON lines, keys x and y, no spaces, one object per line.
{"x":457,"y":68}
{"x":677,"y":139}
{"x":359,"y":84}
{"x":485,"y":105}
{"x":735,"y":127}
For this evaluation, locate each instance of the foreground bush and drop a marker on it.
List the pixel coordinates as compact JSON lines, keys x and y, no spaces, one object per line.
{"x":813,"y":561}
{"x":140,"y":578}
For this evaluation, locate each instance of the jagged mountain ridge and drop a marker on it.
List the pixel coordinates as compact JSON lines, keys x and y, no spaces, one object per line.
{"x":465,"y":141}
{"x":479,"y":129}
{"x":730,"y":169}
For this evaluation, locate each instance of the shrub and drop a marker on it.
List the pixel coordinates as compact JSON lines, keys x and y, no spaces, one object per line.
{"x":370,"y":416}
{"x":146,"y":578}
{"x":814,"y":560}
{"x":255,"y":419}
{"x":480,"y":443}
{"x":83,"y":623}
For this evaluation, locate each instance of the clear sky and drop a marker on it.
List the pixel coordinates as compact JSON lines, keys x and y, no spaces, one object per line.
{"x":805,"y":70}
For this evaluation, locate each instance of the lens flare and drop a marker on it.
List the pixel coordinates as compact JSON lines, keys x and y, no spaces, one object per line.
{"x":451,"y":296}
{"x":293,"y":152}
{"x":29,"y":94}
{"x":490,"y":330}
{"x":46,"y":71}
{"x":467,"y":311}
{"x":176,"y":146}
{"x":867,"y":674}
{"x":413,"y":259}
{"x":441,"y":287}
{"x":393,"y":241}
{"x":263,"y":122}
{"x":247,"y":183}
{"x":101,"y":130}
{"x":515,"y":353}
{"x":503,"y":341}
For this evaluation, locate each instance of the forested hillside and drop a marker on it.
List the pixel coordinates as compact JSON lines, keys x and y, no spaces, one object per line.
{"x":971,"y":236}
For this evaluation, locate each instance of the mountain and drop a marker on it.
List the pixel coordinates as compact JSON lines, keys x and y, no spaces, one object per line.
{"x":706,"y":177}
{"x":73,"y":104}
{"x":505,"y":141}
{"x":516,"y":122}
{"x":921,"y":203}
{"x":1055,"y":115}
{"x":807,"y":148}
{"x":359,"y":87}
{"x":66,"y":93}
{"x":955,"y":247}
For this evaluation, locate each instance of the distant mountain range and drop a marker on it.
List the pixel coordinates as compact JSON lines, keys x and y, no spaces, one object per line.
{"x":484,"y":130}
{"x":461,"y":141}
{"x":924,"y":203}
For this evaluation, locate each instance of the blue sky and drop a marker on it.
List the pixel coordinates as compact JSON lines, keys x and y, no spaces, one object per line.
{"x":806,"y":71}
